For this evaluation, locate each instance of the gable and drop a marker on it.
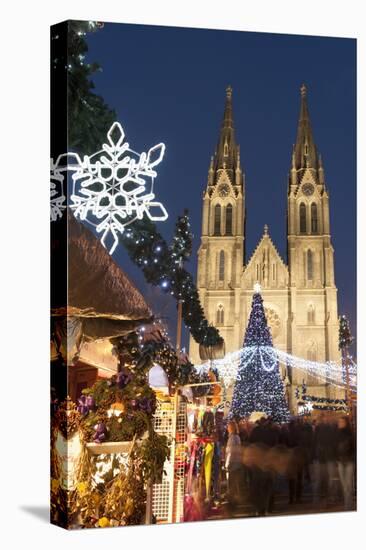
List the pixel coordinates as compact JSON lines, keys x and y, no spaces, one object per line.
{"x":266,"y":267}
{"x":308,"y":177}
{"x":223,"y":181}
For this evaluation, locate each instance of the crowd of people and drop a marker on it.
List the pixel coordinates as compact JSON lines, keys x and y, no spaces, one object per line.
{"x":265,"y":459}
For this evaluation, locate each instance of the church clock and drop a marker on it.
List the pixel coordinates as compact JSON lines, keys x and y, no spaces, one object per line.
{"x":224,"y":190}
{"x":308,"y":189}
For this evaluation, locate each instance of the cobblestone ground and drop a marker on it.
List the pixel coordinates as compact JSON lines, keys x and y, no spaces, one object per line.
{"x":281,"y":506}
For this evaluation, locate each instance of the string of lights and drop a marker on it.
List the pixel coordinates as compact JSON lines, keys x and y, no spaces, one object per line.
{"x":328,"y":371}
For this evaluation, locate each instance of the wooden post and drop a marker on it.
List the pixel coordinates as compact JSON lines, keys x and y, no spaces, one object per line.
{"x":171,"y":518}
{"x":148,"y":514}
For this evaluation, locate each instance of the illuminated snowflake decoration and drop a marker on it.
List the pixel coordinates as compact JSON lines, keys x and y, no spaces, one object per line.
{"x":57,"y":195}
{"x":115,"y":186}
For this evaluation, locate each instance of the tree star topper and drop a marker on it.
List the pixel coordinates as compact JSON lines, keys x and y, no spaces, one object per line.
{"x":115,"y":186}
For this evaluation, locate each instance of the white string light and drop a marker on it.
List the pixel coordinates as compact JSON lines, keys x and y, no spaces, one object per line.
{"x":228,"y":367}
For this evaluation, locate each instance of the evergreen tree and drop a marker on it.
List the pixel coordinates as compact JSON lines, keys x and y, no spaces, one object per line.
{"x":345,"y":340}
{"x":259,"y":386}
{"x":345,"y":336}
{"x":89,"y":117}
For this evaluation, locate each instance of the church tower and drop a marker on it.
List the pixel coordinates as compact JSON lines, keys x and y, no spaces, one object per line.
{"x":313,"y":319}
{"x":300,"y":297}
{"x":221,"y":253}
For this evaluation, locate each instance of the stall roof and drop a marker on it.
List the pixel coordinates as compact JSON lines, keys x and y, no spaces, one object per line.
{"x":98,"y":289}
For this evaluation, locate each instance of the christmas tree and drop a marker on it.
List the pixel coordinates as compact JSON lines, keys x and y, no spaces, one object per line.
{"x":345,"y":336}
{"x":258,"y":386}
{"x":344,"y":342}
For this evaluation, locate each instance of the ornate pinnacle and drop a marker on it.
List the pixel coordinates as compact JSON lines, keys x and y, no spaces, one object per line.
{"x":293,"y":160}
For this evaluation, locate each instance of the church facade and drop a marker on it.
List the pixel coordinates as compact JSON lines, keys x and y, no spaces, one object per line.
{"x":299,"y":292}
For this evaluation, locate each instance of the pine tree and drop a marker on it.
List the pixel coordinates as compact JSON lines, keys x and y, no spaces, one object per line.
{"x":345,"y":340}
{"x":345,"y":336}
{"x":89,"y":117}
{"x":259,"y":386}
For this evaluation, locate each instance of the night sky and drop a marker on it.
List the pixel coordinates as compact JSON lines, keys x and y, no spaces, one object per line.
{"x":168,"y":84}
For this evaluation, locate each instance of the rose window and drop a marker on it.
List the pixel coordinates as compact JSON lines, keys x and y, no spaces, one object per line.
{"x":273,"y":321}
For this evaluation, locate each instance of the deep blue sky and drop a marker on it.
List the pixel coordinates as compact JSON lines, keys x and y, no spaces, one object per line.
{"x":168,"y":84}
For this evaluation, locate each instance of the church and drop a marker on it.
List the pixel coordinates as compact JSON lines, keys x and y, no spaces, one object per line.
{"x":299,"y":292}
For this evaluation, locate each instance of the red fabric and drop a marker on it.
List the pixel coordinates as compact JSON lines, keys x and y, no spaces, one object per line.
{"x":191,"y":510}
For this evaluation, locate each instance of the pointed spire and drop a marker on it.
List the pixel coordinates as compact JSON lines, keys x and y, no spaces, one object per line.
{"x":293,"y":158}
{"x":306,"y":155}
{"x":211,"y":172}
{"x":226,"y":156}
{"x":320,"y":170}
{"x":228,"y":113}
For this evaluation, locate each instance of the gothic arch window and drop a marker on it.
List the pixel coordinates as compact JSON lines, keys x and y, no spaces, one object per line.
{"x":229,"y":220}
{"x":302,"y":214}
{"x":314,"y":218}
{"x":226,"y":149}
{"x":220,"y":315}
{"x":274,"y":270}
{"x":311,"y":355}
{"x":217,"y":220}
{"x":309,"y":257}
{"x":311,"y":315}
{"x":221,"y":265}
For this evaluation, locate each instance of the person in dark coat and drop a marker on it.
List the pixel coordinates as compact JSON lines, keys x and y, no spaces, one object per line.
{"x":306,"y":445}
{"x":265,"y":435}
{"x":324,"y":453}
{"x":345,"y":454}
{"x":234,"y":464}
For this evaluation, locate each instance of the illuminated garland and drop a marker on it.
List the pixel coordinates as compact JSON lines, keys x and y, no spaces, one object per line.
{"x":326,"y":400}
{"x":162,"y":266}
{"x":329,"y":371}
{"x":89,"y":120}
{"x":330,"y":408}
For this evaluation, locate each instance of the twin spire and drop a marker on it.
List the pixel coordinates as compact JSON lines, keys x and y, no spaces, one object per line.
{"x":304,"y":154}
{"x":227,"y":156}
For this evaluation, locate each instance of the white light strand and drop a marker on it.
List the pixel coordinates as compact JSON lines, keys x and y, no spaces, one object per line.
{"x":228,"y":367}
{"x":110,"y":188}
